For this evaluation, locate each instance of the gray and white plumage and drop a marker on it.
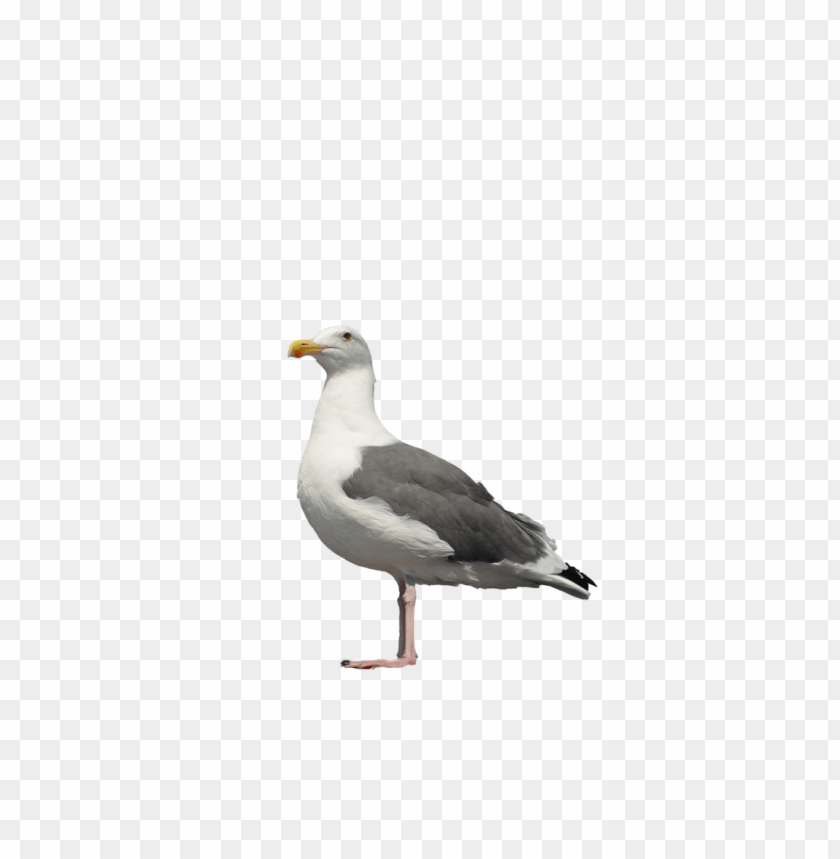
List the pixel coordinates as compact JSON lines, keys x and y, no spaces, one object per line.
{"x":387,"y":505}
{"x":491,"y":547}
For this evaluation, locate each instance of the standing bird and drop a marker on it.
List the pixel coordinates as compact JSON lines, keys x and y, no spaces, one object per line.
{"x":386,"y":505}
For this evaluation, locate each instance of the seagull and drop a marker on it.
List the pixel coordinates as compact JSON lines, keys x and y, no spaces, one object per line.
{"x":386,"y":505}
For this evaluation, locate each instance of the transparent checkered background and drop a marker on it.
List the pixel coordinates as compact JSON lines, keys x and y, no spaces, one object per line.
{"x":591,"y":246}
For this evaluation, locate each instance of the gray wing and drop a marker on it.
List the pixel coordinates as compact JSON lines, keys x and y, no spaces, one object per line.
{"x":416,"y":483}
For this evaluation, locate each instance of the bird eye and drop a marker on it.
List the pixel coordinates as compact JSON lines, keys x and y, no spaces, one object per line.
{"x":347,"y":335}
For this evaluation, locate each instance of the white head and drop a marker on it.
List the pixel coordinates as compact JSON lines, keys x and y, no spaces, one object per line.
{"x":336,"y":349}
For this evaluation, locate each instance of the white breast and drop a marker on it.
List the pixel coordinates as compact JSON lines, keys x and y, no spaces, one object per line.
{"x":363,"y":531}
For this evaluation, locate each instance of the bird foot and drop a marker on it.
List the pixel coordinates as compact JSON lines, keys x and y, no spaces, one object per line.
{"x":380,"y":663}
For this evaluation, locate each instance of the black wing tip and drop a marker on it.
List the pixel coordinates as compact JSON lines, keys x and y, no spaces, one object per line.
{"x":573,"y":574}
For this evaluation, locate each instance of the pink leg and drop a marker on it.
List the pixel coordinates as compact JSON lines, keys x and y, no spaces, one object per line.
{"x":406,"y":654}
{"x":401,"y":604}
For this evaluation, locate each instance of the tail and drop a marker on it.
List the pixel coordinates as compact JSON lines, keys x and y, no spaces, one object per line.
{"x":571,"y":580}
{"x":579,"y":582}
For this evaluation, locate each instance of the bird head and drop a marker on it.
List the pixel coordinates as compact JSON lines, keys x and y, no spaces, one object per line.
{"x":337,"y":348}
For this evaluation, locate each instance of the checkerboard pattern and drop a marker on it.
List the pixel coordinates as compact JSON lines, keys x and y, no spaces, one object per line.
{"x":591,"y":247}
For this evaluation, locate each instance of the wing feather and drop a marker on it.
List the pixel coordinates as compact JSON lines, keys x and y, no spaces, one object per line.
{"x":416,"y":483}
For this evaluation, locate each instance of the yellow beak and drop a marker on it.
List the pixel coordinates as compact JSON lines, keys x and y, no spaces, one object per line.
{"x":305,"y":347}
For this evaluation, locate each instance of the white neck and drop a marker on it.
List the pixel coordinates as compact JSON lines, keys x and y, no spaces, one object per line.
{"x":346,"y":410}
